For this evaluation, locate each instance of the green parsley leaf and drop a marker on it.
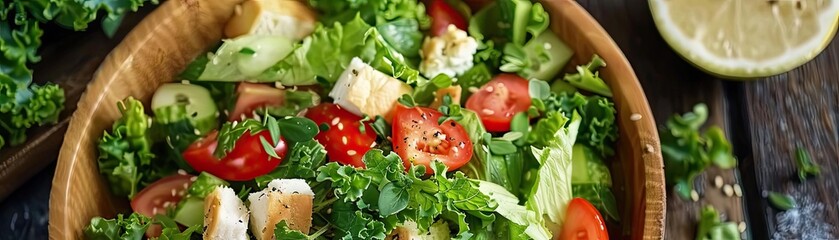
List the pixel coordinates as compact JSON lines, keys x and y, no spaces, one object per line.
{"x":131,"y":227}
{"x":407,"y":100}
{"x":539,"y":89}
{"x":268,"y":148}
{"x":392,"y":199}
{"x":230,"y":132}
{"x":298,"y":129}
{"x":301,"y":162}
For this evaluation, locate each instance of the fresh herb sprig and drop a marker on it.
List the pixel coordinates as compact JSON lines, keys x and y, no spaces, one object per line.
{"x":687,"y":153}
{"x":294,"y":129}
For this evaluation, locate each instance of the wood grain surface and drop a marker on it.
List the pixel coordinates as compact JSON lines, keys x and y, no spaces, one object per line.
{"x":765,"y":119}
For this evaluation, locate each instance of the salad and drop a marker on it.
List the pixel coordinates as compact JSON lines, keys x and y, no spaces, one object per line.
{"x":371,"y":119}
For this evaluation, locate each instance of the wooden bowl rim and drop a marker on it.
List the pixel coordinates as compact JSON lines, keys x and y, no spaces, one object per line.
{"x":653,"y":187}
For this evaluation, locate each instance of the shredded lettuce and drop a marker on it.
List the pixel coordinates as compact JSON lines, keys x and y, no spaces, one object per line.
{"x":552,"y":190}
{"x":509,"y":208}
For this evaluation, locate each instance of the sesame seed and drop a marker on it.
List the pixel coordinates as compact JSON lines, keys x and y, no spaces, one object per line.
{"x":243,"y":116}
{"x":487,"y":111}
{"x":257,"y":117}
{"x":186,"y":185}
{"x":694,"y":195}
{"x":279,"y":85}
{"x":372,"y":144}
{"x":184,"y":81}
{"x":154,"y":211}
{"x":472,"y":89}
{"x":455,"y":150}
{"x":635,"y":117}
{"x":351,"y":152}
{"x":490,"y":89}
{"x":156,"y":201}
{"x":741,"y":227}
{"x":738,"y":191}
{"x":650,"y":148}
{"x":718,"y":182}
{"x":329,"y":211}
{"x":181,"y":193}
{"x":196,"y":131}
{"x":340,"y":126}
{"x":193,"y":178}
{"x":167,"y":204}
{"x":547,"y":46}
{"x":344,"y":140}
{"x":181,"y":172}
{"x":174,"y":192}
{"x":335,"y":121}
{"x":728,"y":190}
{"x":233,"y":125}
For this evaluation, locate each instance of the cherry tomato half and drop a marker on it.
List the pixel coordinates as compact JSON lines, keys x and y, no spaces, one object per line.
{"x":344,"y":141}
{"x":246,"y":161}
{"x":442,"y":15}
{"x":252,"y":96}
{"x":499,"y":100}
{"x":583,"y":222}
{"x":419,"y":139}
{"x":160,"y":196}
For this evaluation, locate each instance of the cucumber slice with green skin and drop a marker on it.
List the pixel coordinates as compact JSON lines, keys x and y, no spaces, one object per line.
{"x":261,"y":53}
{"x":549,"y":53}
{"x":198,"y":103}
{"x":190,"y":212}
{"x":588,"y":168}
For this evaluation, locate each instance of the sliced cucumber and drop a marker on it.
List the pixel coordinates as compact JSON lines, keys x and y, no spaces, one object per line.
{"x":588,"y":168}
{"x":261,"y":53}
{"x":190,"y":212}
{"x":549,"y":53}
{"x":200,"y":106}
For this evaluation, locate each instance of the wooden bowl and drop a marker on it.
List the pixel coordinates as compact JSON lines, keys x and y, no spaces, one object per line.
{"x":179,"y":30}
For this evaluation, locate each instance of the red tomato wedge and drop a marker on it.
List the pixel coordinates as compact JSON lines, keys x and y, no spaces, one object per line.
{"x":344,"y":141}
{"x":160,"y":196}
{"x":252,"y":96}
{"x":499,"y":100}
{"x":419,"y":140}
{"x":442,"y":15}
{"x":246,"y":161}
{"x":583,"y":222}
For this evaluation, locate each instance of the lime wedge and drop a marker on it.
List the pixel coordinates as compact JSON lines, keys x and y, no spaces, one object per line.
{"x":743,"y":39}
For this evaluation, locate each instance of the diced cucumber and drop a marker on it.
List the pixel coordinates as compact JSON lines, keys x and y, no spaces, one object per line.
{"x":549,"y":53}
{"x":587,"y":167}
{"x":200,"y":106}
{"x":204,"y":184}
{"x":190,"y":212}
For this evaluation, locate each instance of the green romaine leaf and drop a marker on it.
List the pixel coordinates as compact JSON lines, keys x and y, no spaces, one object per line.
{"x":403,"y":35}
{"x":509,"y":208}
{"x":552,"y":190}
{"x":132,"y":227}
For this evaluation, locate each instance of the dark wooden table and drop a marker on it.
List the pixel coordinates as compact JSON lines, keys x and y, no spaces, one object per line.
{"x":765,"y":119}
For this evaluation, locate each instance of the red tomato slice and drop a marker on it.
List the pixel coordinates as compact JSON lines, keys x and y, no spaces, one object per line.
{"x":583,"y":222}
{"x":344,"y":141}
{"x":419,"y":140}
{"x":160,"y":196}
{"x":252,"y":96}
{"x":246,"y":161}
{"x":499,"y":100}
{"x":442,"y":15}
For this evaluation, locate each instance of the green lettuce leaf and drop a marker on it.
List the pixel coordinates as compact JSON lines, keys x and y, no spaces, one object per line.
{"x":552,"y":190}
{"x":171,"y":230}
{"x":132,"y":227}
{"x":373,"y":12}
{"x":509,"y":208}
{"x":588,"y":78}
{"x":125,"y":156}
{"x":598,"y":129}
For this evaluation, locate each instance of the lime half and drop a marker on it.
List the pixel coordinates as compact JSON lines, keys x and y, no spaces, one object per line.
{"x":743,"y":39}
